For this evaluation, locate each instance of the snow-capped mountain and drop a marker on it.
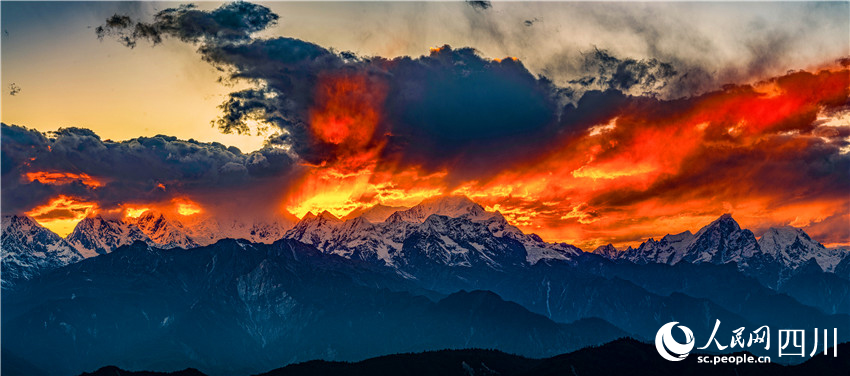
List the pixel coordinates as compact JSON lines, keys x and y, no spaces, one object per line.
{"x":607,"y":251}
{"x":722,"y":241}
{"x":450,"y":230}
{"x":773,"y":258}
{"x":166,"y":233}
{"x":375,"y":214}
{"x":669,"y":250}
{"x":28,"y":250}
{"x":192,"y":231}
{"x":792,"y":247}
{"x":449,"y":206}
{"x":206,"y":230}
{"x":98,"y":236}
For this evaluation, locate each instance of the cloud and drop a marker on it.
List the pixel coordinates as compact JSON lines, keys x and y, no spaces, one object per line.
{"x":430,"y":107}
{"x":232,"y":22}
{"x":602,"y":71}
{"x":625,"y":147}
{"x":77,"y":163}
{"x":774,"y":153}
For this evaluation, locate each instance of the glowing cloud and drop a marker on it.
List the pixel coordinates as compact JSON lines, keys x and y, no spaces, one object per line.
{"x":62,"y":213}
{"x":186,"y":207}
{"x":60,"y":178}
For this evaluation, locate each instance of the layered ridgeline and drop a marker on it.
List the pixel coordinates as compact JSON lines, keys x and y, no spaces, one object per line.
{"x":443,"y":274}
{"x":236,"y":307}
{"x":30,"y":249}
{"x":621,"y":357}
{"x":450,"y":231}
{"x":774,"y":258}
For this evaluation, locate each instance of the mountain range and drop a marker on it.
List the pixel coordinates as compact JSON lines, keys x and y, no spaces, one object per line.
{"x":28,"y":250}
{"x":773,"y":258}
{"x":632,"y":358}
{"x":144,"y":293}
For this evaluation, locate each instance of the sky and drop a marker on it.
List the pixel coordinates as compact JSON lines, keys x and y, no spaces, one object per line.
{"x":590,"y":123}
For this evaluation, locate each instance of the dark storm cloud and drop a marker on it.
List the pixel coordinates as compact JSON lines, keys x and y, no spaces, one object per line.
{"x":456,"y":111}
{"x":477,"y":114}
{"x":231,"y":22}
{"x":144,"y":169}
{"x":435,"y":105}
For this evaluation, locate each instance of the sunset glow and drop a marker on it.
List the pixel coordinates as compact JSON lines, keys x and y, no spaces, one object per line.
{"x":62,"y":214}
{"x":186,"y":207}
{"x":565,"y":196}
{"x":134,"y":212}
{"x":600,"y":146}
{"x":59,"y":178}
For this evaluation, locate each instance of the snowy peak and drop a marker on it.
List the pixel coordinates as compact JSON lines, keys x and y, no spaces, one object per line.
{"x":725,"y":224}
{"x":375,"y":214}
{"x":449,"y":206}
{"x":793,"y":247}
{"x":196,"y":231}
{"x":669,"y":250}
{"x":449,"y":230}
{"x":326,"y":215}
{"x":98,"y":236}
{"x":720,"y":242}
{"x":163,"y":232}
{"x":28,"y":250}
{"x":315,"y":229}
{"x":777,"y":239}
{"x":608,"y":251}
{"x":774,"y":257}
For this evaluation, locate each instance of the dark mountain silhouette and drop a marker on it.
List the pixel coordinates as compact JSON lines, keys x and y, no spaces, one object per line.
{"x":620,"y":357}
{"x":237,"y":307}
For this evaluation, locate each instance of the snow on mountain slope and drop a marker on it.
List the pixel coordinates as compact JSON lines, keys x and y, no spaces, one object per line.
{"x":28,"y":250}
{"x":449,"y":206}
{"x":607,"y":251}
{"x":199,"y":230}
{"x":773,"y":258}
{"x":375,"y":214}
{"x":721,"y":242}
{"x":669,"y":250}
{"x":164,"y":232}
{"x":98,"y":236}
{"x":448,"y":230}
{"x":792,"y":247}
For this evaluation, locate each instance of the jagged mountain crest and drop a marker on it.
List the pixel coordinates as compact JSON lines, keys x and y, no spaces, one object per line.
{"x":720,"y":242}
{"x":793,"y":247}
{"x":773,"y":258}
{"x":375,"y":214}
{"x":98,"y":236}
{"x":452,"y":206}
{"x":189,"y":232}
{"x":164,"y":232}
{"x":447,"y":230}
{"x":607,"y":251}
{"x":28,"y":250}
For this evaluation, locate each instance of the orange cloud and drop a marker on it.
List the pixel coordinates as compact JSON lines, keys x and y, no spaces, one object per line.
{"x":61,"y":178}
{"x":62,"y":213}
{"x":186,"y":207}
{"x":771,"y":154}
